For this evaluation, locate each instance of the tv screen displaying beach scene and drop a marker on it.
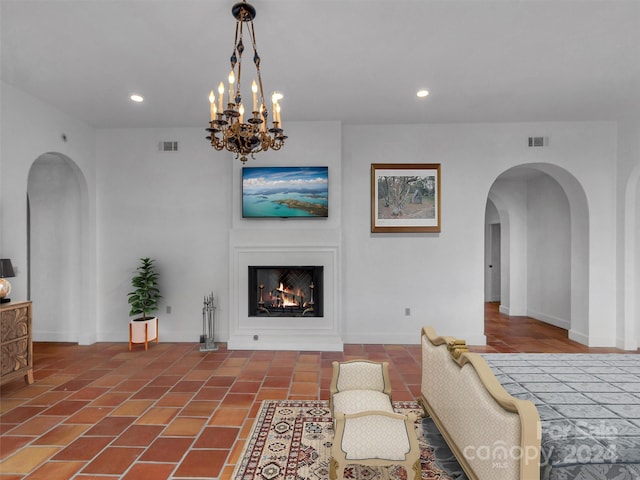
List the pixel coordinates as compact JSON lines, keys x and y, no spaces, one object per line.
{"x":283,"y":192}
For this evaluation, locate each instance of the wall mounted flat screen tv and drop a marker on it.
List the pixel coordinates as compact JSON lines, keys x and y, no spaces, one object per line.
{"x":283,"y":192}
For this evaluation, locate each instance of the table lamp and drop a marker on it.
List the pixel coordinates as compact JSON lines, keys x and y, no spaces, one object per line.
{"x":6,"y":271}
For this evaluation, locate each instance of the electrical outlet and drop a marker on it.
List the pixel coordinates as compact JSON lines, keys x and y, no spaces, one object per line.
{"x":168,"y":309}
{"x":407,"y":312}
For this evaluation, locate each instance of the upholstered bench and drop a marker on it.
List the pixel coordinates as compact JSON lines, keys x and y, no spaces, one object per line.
{"x":367,"y":430}
{"x":375,"y":439}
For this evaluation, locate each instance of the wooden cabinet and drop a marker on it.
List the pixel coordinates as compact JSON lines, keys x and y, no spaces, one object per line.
{"x":15,"y":342}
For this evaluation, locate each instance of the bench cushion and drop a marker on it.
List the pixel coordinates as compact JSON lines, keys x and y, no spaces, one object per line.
{"x":354,"y":401}
{"x":376,"y":436}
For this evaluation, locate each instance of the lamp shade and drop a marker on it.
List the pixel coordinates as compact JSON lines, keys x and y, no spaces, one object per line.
{"x":6,"y":269}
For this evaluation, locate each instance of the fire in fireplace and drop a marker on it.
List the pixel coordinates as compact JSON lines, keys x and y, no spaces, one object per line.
{"x":285,"y":291}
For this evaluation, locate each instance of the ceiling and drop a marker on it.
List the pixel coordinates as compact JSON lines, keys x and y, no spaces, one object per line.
{"x":355,"y":61}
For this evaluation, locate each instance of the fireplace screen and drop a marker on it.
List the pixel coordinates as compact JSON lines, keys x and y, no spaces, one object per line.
{"x":284,"y":291}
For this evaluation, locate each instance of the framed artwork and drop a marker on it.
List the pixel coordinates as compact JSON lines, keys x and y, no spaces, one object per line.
{"x":405,"y":197}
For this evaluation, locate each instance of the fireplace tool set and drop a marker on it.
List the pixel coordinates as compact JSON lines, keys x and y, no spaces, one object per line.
{"x":208,"y":324}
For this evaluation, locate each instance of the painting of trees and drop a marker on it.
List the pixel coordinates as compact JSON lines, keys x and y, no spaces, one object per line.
{"x":405,"y":197}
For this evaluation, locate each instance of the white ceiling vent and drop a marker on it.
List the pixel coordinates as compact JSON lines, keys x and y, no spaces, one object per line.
{"x":168,"y":146}
{"x":538,"y":141}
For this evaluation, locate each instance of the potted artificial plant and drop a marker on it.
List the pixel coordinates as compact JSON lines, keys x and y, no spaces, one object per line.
{"x":143,"y":300}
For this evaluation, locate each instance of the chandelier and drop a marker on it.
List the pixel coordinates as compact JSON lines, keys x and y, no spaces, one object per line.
{"x":231,"y":126}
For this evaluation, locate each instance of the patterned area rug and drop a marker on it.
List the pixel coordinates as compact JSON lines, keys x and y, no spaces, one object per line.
{"x":291,"y":440}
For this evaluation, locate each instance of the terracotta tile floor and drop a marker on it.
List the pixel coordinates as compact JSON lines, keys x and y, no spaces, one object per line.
{"x":173,"y":412}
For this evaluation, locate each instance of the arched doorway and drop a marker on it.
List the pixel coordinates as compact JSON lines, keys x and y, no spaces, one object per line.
{"x":57,"y":248}
{"x":543,"y":216}
{"x":631,"y":324}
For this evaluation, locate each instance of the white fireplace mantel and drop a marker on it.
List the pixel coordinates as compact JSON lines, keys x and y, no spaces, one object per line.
{"x":284,"y":333}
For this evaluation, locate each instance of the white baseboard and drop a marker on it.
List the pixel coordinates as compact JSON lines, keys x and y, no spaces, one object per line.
{"x":626,"y":344}
{"x":317,"y":343}
{"x":87,"y":339}
{"x":62,"y":337}
{"x":407,"y":339}
{"x":164,"y":335}
{"x":555,"y":321}
{"x":578,"y":337}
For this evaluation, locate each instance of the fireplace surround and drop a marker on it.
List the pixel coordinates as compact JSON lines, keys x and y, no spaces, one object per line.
{"x":273,"y":332}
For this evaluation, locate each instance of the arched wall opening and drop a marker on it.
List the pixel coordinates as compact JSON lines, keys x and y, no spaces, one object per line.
{"x":57,"y":203}
{"x":543,"y":215}
{"x":631,"y":333}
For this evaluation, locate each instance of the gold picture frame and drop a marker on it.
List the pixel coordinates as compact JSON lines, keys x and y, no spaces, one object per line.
{"x":405,"y":197}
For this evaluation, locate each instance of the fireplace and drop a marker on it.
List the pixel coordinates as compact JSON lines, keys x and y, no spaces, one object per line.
{"x":285,"y":291}
{"x":249,"y":330}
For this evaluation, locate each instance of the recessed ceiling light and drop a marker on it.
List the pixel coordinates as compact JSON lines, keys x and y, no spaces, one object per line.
{"x":137,"y":98}
{"x":422,"y":93}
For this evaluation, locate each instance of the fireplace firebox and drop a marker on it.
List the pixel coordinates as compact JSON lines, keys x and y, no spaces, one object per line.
{"x":286,"y":291}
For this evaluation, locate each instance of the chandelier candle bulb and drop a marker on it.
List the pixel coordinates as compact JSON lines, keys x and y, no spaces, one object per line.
{"x":232,"y":79}
{"x":220,"y":95}
{"x":274,"y":103}
{"x":241,"y":112}
{"x":254,"y":90}
{"x":212,"y":100}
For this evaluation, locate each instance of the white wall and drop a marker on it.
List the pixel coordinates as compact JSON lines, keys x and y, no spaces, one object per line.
{"x":183,"y":209}
{"x":440,"y":276}
{"x":174,"y":207}
{"x":185,"y":221}
{"x":30,"y":128}
{"x":632,"y":273}
{"x":548,"y":252}
{"x":628,"y":235}
{"x":179,"y":208}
